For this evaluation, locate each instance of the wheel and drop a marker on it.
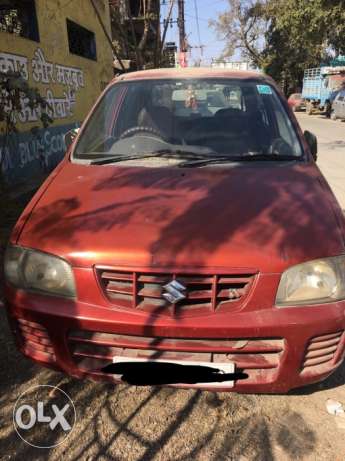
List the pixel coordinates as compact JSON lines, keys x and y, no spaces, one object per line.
{"x":309,"y":108}
{"x":328,"y":109}
{"x":333,"y":116}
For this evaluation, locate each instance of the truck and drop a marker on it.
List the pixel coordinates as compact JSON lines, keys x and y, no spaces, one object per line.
{"x":320,"y":86}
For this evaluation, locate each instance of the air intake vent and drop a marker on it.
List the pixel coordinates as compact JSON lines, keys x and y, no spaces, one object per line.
{"x":322,"y":350}
{"x":35,"y":339}
{"x":92,"y":350}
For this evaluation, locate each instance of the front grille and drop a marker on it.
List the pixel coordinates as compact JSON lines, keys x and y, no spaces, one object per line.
{"x":91,"y":350}
{"x":35,"y":339}
{"x":204,"y":293}
{"x":322,"y":350}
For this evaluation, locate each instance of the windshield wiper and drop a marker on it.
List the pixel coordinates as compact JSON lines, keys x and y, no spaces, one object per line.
{"x":193,"y":158}
{"x":204,"y":153}
{"x":240,"y":158}
{"x":121,"y":158}
{"x":169,"y":153}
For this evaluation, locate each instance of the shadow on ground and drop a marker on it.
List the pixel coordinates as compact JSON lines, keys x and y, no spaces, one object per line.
{"x":142,"y":424}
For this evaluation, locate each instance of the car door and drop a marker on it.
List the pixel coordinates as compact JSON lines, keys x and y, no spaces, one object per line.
{"x":336,"y":106}
{"x":342,"y":105}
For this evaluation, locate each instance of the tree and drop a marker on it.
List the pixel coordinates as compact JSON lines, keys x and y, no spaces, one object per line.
{"x":335,"y":24}
{"x":295,"y":40}
{"x":284,"y":37}
{"x":135,"y":30}
{"x":242,"y":27}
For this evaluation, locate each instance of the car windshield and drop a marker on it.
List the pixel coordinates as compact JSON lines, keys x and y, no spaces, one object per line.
{"x":206,"y":118}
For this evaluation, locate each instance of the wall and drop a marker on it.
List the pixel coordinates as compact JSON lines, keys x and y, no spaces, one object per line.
{"x":70,"y":83}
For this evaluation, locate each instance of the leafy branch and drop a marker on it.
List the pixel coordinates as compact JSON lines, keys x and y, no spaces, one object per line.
{"x":15,"y":96}
{"x":283,"y":37}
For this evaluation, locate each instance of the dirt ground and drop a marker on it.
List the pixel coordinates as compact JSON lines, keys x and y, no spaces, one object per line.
{"x":151,"y":423}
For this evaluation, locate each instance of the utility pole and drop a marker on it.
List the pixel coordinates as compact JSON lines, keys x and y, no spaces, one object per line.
{"x":181,"y":26}
{"x":166,"y":23}
{"x":182,"y":33}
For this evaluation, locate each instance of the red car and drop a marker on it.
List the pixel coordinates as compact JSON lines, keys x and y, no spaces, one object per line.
{"x":296,"y":102}
{"x":183,"y":243}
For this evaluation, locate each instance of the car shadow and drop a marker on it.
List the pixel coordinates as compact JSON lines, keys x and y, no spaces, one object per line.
{"x":127,"y":423}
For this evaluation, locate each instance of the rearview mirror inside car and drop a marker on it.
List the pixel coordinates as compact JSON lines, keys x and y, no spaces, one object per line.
{"x":70,"y":137}
{"x":312,"y":143}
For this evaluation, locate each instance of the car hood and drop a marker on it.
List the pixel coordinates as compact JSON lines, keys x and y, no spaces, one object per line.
{"x":263,"y":216}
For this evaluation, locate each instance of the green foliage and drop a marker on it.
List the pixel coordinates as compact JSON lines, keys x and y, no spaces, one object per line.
{"x":242,"y":27}
{"x":15,"y":94}
{"x":290,"y":35}
{"x":136,"y":37}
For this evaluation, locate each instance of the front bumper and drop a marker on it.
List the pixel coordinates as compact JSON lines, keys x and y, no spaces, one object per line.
{"x":279,"y":349}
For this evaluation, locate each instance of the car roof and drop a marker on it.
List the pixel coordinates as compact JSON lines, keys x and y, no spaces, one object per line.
{"x":192,"y":72}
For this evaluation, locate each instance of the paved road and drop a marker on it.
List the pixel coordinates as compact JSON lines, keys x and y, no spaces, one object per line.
{"x":331,"y":159}
{"x":129,"y":423}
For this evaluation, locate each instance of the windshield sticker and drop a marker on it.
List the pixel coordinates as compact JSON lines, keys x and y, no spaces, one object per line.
{"x":264,"y":89}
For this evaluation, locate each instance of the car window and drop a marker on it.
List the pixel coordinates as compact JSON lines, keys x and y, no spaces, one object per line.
{"x":95,"y":136}
{"x":340,"y":95}
{"x":226,"y":116}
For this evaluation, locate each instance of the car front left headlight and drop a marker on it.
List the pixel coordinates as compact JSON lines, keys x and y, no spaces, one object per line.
{"x":315,"y":282}
{"x":36,"y":271}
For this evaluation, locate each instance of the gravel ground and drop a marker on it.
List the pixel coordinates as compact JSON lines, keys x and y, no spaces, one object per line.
{"x":151,"y":423}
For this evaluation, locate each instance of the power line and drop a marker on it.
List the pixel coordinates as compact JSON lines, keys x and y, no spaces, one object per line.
{"x":197,"y":23}
{"x":194,"y":17}
{"x":214,"y":2}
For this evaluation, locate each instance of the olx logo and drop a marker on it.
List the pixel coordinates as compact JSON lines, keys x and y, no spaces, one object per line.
{"x":39,"y":416}
{"x":44,"y":416}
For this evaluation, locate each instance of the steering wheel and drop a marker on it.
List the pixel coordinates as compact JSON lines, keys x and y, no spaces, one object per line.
{"x":138,"y":129}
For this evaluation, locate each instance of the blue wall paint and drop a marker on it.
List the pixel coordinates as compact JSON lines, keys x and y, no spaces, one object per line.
{"x":27,"y":155}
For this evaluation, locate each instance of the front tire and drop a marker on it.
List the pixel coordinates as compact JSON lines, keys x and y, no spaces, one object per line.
{"x":328,"y":109}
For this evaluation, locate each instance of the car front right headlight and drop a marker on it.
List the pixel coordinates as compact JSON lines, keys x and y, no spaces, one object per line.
{"x":37,"y":271}
{"x":314,"y":282}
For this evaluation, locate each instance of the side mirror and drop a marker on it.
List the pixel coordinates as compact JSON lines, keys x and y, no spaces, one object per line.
{"x":312,"y":143}
{"x":70,"y":136}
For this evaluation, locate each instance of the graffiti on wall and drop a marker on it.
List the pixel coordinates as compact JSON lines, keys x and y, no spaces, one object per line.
{"x":47,"y":73}
{"x":25,"y":152}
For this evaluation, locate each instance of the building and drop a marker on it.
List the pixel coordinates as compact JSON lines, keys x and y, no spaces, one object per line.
{"x":170,"y":55}
{"x":61,"y":49}
{"x":233,"y":65}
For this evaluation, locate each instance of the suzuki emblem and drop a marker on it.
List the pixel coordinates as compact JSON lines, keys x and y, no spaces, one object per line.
{"x":174,"y":292}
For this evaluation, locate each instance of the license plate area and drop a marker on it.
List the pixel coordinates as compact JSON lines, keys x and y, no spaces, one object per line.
{"x":148,"y":371}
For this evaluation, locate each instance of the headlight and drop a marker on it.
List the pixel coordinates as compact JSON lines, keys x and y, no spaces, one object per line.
{"x":314,"y":282}
{"x":33,"y":270}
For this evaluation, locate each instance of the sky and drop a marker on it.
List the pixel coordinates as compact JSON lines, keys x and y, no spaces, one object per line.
{"x":205,"y":10}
